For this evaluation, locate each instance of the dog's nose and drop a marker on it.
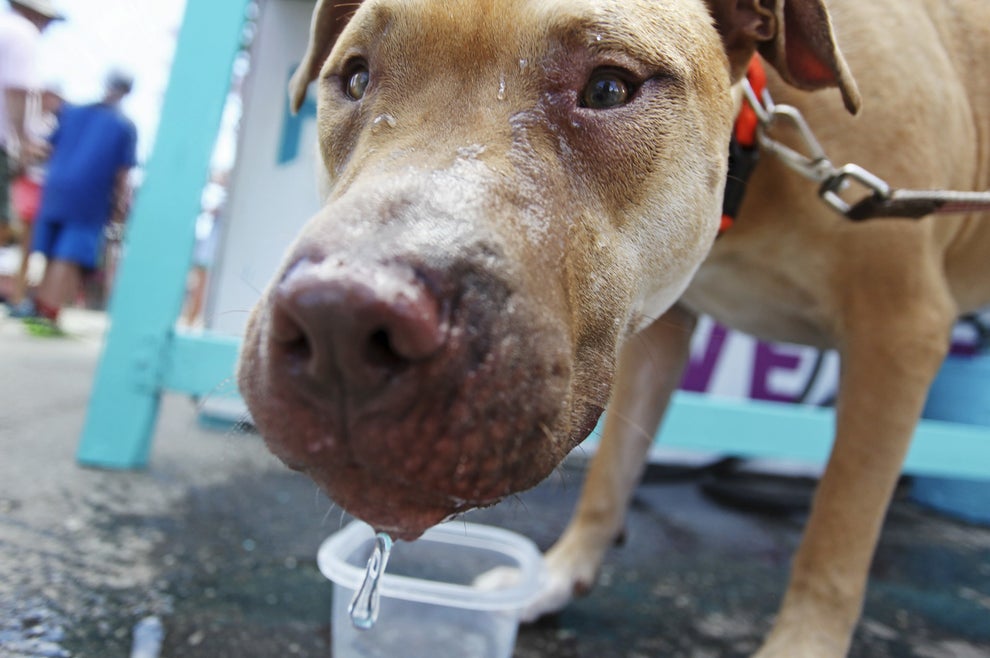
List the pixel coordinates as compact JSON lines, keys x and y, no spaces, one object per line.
{"x":354,"y":327}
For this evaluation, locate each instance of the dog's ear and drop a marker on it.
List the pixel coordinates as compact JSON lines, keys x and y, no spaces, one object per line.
{"x":794,"y":36}
{"x":329,"y":19}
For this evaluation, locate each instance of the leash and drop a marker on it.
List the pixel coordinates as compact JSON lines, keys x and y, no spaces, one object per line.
{"x":881,"y":199}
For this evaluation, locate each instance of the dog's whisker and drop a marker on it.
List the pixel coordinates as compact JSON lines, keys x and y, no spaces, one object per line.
{"x":343,"y":516}
{"x":635,"y":426}
{"x":244,"y":424}
{"x":233,"y":311}
{"x":251,"y":285}
{"x":513,"y":503}
{"x":346,"y":17}
{"x":221,"y":387}
{"x":330,"y":509}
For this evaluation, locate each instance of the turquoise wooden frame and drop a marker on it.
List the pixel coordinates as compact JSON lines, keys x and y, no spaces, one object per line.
{"x":144,"y":356}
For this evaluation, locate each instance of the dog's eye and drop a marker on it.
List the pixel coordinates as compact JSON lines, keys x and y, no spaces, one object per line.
{"x":357,"y":82}
{"x":605,"y":90}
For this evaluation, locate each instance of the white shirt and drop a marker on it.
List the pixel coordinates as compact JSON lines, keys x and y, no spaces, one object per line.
{"x":19,"y":44}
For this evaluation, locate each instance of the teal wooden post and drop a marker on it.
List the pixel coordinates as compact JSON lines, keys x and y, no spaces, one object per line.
{"x":151,"y":284}
{"x":750,"y":428}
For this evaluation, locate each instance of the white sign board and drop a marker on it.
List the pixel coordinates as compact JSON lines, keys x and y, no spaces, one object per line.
{"x":273,"y":188}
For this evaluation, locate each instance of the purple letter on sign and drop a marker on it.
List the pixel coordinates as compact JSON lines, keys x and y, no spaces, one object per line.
{"x":767,"y":360}
{"x":698,"y":374}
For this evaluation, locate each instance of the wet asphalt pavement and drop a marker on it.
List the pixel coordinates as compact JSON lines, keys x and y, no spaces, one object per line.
{"x":217,"y":542}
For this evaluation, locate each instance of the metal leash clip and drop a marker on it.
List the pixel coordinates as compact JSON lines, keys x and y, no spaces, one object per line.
{"x":881,"y":201}
{"x":839,"y":180}
{"x":815,"y":166}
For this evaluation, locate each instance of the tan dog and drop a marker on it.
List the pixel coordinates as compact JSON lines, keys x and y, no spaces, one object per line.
{"x":518,"y":190}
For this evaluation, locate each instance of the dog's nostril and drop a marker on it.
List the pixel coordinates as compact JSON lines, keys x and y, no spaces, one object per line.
{"x":299,"y":349}
{"x":289,"y":334}
{"x":379,"y":352}
{"x":354,"y":327}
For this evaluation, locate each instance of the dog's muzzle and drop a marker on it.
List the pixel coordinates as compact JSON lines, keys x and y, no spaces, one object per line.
{"x":408,"y":388}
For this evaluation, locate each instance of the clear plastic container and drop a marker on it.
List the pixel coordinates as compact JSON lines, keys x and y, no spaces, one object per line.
{"x":430,"y":607}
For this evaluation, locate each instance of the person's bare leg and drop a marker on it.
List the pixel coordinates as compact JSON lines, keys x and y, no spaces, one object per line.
{"x":20,"y":279}
{"x":195,"y":295}
{"x":59,"y":285}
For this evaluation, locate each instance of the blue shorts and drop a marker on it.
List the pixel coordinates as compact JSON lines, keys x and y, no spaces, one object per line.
{"x":74,"y":242}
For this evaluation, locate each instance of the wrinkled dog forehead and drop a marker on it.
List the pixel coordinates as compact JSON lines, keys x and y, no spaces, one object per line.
{"x":462,"y":63}
{"x":546,"y":173}
{"x":666,"y":35}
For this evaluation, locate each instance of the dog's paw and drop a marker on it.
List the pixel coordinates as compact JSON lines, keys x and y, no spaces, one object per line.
{"x":552,"y":596}
{"x":571,"y":571}
{"x":802,"y":644}
{"x":559,"y":590}
{"x":794,"y":652}
{"x":558,"y":587}
{"x":498,"y":578}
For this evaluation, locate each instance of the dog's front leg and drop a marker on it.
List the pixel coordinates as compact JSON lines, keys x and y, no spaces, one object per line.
{"x":891,"y":348}
{"x":650,"y":367}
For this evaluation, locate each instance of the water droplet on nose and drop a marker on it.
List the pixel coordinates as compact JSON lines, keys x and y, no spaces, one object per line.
{"x":364,"y":607}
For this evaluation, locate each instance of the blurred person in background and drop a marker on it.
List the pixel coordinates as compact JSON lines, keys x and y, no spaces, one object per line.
{"x":25,"y":192}
{"x":207,"y":236}
{"x":92,"y":152}
{"x":20,"y":35}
